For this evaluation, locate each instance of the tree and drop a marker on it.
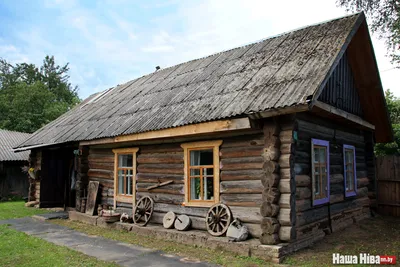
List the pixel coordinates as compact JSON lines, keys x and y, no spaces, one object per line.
{"x":31,"y":96}
{"x":393,"y":105}
{"x":385,"y":21}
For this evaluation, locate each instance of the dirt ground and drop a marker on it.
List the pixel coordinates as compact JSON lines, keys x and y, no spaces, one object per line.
{"x":378,"y":235}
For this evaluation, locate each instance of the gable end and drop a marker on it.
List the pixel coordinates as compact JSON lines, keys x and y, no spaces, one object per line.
{"x":340,"y":90}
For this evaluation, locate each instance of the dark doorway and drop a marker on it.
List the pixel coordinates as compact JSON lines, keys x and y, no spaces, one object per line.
{"x":55,"y":185}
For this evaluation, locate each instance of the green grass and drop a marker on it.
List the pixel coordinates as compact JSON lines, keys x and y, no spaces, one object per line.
{"x":20,"y":249}
{"x":17,"y":209}
{"x":192,"y":252}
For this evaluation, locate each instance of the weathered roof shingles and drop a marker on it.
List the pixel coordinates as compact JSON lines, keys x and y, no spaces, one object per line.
{"x":277,"y":72}
{"x":9,"y":139}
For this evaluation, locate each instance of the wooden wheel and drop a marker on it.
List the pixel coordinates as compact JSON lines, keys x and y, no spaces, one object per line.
{"x":143,"y":211}
{"x":218,"y":219}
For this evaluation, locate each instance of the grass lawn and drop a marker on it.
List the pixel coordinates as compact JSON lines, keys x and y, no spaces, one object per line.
{"x":20,"y":249}
{"x":17,"y":209}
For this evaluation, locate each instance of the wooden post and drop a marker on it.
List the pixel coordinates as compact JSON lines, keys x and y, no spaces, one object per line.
{"x":82,"y":177}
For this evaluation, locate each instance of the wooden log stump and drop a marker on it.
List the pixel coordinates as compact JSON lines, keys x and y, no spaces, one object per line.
{"x":269,"y":210}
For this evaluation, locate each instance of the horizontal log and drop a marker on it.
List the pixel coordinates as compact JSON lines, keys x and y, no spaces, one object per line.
{"x":269,"y":210}
{"x":335,"y":198}
{"x":101,"y":158}
{"x":254,"y":229}
{"x":336,"y":178}
{"x":179,"y":209}
{"x":242,"y":200}
{"x":101,"y":166}
{"x":241,"y":152}
{"x":158,"y":180}
{"x":241,"y":187}
{"x":285,"y":186}
{"x":196,"y":222}
{"x":287,"y":148}
{"x":161,"y":168}
{"x":303,"y":156}
{"x":286,"y":217}
{"x":101,"y":174}
{"x":160,"y":158}
{"x":285,"y":160}
{"x":287,"y":233}
{"x":269,"y":225}
{"x":244,"y":141}
{"x":337,"y":188}
{"x":286,"y":136}
{"x":302,"y":180}
{"x":241,"y":175}
{"x":362,"y":192}
{"x":303,"y":193}
{"x":100,"y":151}
{"x":286,"y":201}
{"x":156,"y":176}
{"x":302,"y":168}
{"x":362,"y":182}
{"x":286,"y":173}
{"x":312,"y":215}
{"x":164,"y":148}
{"x":247,"y":214}
{"x":230,"y":164}
{"x":303,"y":204}
{"x":163,"y":198}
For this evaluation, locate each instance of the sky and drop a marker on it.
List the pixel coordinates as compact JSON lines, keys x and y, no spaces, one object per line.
{"x":109,"y":42}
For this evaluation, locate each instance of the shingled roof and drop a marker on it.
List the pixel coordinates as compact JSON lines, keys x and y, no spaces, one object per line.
{"x":9,"y":139}
{"x":277,"y":72}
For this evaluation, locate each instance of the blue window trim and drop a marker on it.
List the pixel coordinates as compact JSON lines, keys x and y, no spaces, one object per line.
{"x":354,"y":191}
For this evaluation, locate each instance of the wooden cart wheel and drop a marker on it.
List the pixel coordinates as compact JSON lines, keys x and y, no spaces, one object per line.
{"x":143,"y":211}
{"x":218,"y":219}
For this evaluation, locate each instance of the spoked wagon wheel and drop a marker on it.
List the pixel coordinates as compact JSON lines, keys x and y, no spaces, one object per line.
{"x":143,"y":211}
{"x":218,"y":219}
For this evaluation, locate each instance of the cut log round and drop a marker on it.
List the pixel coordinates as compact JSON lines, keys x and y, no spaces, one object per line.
{"x":182,"y":223}
{"x":143,"y":211}
{"x":169,"y":220}
{"x":218,"y":219}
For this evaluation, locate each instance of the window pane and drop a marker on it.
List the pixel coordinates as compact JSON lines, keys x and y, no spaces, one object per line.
{"x":208,"y":190}
{"x":125,"y":160}
{"x":324,"y":187}
{"x":195,"y":188}
{"x":316,"y":154}
{"x":201,"y":157}
{"x":129,"y":182}
{"x":120,"y":182}
{"x":208,"y":172}
{"x":316,"y":184}
{"x":194,"y":172}
{"x":349,"y":181}
{"x":322,"y":155}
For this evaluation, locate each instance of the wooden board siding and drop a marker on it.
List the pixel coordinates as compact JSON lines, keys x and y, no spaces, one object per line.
{"x":241,"y":169}
{"x":388,"y":182}
{"x":340,"y":90}
{"x":340,"y":212}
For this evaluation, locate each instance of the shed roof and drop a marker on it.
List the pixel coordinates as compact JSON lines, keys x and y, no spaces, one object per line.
{"x":8,"y":140}
{"x":278,"y":72}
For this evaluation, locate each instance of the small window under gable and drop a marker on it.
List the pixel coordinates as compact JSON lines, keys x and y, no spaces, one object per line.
{"x":201,"y":173}
{"x":320,"y":171}
{"x":350,"y":174}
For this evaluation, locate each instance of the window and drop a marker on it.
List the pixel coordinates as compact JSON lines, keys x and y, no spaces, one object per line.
{"x":349,"y":166}
{"x":125,"y":175}
{"x":320,"y":171}
{"x":201,"y":173}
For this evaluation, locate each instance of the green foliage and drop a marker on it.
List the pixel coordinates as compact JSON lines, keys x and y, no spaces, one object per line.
{"x":393,"y":105}
{"x":31,"y":97}
{"x":384,"y":18}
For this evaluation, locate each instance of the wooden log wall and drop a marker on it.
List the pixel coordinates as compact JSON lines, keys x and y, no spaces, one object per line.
{"x":340,"y":211}
{"x":82,"y":179}
{"x":241,"y":164}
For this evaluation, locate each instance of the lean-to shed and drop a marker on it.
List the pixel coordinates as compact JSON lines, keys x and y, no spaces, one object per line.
{"x":281,"y":131}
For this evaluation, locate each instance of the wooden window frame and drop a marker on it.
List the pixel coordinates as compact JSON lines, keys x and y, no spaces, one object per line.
{"x":122,"y":197}
{"x":320,"y":143}
{"x":350,"y":193}
{"x":187,"y":147}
